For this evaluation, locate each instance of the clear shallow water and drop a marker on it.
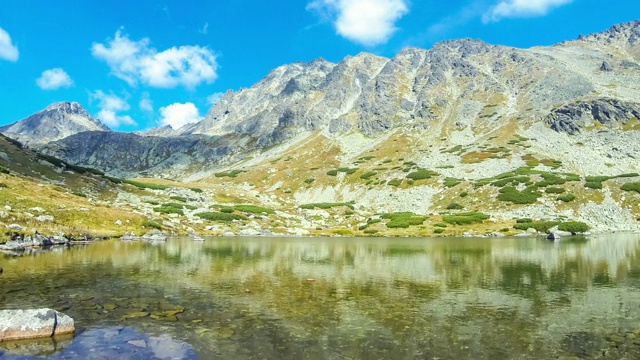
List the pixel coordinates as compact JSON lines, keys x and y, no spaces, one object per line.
{"x":344,"y":298}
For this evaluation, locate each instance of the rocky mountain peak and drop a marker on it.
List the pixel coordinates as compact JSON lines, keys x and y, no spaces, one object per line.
{"x":624,"y":33}
{"x":55,"y":122}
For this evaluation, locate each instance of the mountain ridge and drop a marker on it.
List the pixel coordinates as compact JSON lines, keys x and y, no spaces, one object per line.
{"x":55,"y":122}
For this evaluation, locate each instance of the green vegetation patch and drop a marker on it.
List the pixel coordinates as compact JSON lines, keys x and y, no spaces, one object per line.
{"x":152,"y":224}
{"x":545,"y":226}
{"x":254,"y":209}
{"x":421,"y":174}
{"x":395,"y":182}
{"x":595,"y":182}
{"x":632,"y":186}
{"x":220,"y":216}
{"x":231,"y":173}
{"x":333,"y":172}
{"x":513,"y":195}
{"x":451,"y":182}
{"x":178,"y":198}
{"x":465,"y":218}
{"x":554,"y":190}
{"x":403,"y":219}
{"x":455,"y":206}
{"x":566,"y":198}
{"x":141,"y":185}
{"x":325,"y":205}
{"x":368,"y":175}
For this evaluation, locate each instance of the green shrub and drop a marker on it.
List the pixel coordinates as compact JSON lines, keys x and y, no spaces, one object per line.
{"x":254,"y":209}
{"x":440,"y":225}
{"x":226,"y":209}
{"x":169,"y":210}
{"x":464,"y":194}
{"x":4,"y":170}
{"x":451,"y":182}
{"x":220,"y":216}
{"x":593,"y":185}
{"x":455,"y":206}
{"x":404,"y":219}
{"x":349,"y":171}
{"x":632,"y":186}
{"x":152,"y":224}
{"x":363,"y":227}
{"x":395,"y":182}
{"x":511,"y":194}
{"x":465,"y":218}
{"x":421,"y":174}
{"x":540,"y":226}
{"x":142,"y":185}
{"x":232,"y":173}
{"x":554,"y":190}
{"x":573,"y":227}
{"x":152,"y":202}
{"x":368,"y":175}
{"x":332,"y":172}
{"x":371,"y":231}
{"x":196,"y":190}
{"x":343,"y":232}
{"x":566,"y":198}
{"x":310,"y":180}
{"x":178,"y":198}
{"x":523,"y":221}
{"x":438,"y":231}
{"x":373,"y":221}
{"x":324,"y":205}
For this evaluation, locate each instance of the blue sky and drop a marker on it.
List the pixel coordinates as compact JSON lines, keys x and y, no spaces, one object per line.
{"x":145,"y":63}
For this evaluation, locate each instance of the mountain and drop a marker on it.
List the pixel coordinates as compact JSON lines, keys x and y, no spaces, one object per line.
{"x":541,"y":133}
{"x":56,"y":122}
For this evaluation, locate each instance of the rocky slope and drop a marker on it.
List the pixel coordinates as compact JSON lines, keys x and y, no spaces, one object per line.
{"x":542,"y":133}
{"x":56,"y":122}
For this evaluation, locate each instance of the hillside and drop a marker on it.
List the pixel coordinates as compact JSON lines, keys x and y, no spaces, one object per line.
{"x":547,"y":133}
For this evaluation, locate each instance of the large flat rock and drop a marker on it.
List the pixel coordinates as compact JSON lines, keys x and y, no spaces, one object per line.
{"x":32,"y":324}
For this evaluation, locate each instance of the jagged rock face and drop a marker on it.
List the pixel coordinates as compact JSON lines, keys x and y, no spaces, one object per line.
{"x":572,"y":118}
{"x":53,"y":123}
{"x":132,"y":155}
{"x":456,"y":85}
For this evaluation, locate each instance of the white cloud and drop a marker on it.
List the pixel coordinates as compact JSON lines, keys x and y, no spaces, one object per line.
{"x":178,"y":115}
{"x":136,"y":62}
{"x":145,"y":103}
{"x":8,"y":51}
{"x":521,"y":8}
{"x":54,"y":79}
{"x":368,"y":22}
{"x":110,"y":105}
{"x":213,"y":98}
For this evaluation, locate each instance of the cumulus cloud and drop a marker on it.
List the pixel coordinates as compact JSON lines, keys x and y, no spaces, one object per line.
{"x":178,"y":115}
{"x":137,"y":62}
{"x":110,"y":105}
{"x":54,"y":79}
{"x":367,"y":22}
{"x":8,"y":51}
{"x":521,"y":8}
{"x":145,"y":103}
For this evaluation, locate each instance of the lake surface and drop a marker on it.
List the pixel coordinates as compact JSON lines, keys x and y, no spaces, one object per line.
{"x":343,"y":298}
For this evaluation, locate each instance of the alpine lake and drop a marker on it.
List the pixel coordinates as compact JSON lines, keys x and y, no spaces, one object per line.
{"x":334,"y":298}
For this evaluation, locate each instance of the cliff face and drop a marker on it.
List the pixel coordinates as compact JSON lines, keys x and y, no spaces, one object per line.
{"x":56,"y":122}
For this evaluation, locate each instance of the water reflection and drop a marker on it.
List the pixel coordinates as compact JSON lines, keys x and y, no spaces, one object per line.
{"x":354,"y":298}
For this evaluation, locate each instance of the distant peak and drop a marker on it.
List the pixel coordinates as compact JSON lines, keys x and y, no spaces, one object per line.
{"x":66,"y":106}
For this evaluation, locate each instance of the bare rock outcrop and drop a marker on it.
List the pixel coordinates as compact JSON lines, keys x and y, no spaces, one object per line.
{"x":34,"y":323}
